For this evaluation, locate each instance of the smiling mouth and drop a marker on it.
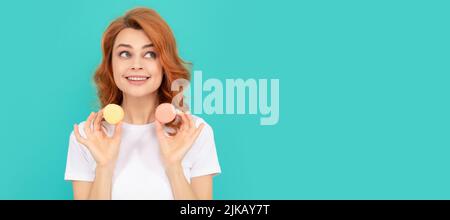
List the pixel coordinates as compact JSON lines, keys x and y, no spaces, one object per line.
{"x":137,"y":78}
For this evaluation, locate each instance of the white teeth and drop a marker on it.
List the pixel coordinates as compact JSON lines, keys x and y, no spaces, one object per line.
{"x":137,"y":78}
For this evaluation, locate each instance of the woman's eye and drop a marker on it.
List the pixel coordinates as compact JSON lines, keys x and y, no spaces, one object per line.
{"x":124,"y":54}
{"x":150,"y":54}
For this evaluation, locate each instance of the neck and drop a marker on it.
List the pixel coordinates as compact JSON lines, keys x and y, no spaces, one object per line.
{"x":139,"y":110}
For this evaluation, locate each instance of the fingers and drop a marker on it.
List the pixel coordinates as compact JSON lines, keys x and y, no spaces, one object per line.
{"x":191,"y":120}
{"x":97,"y":121}
{"x":185,"y":125}
{"x":87,"y":125}
{"x":198,"y":131}
{"x":104,"y":129}
{"x":78,"y":136}
{"x":159,"y":129}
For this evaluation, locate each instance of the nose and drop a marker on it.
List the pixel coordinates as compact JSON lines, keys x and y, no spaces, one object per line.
{"x":136,"y":65}
{"x":136,"y":68}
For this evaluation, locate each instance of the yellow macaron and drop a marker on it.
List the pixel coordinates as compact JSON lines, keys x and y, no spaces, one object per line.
{"x":113,"y":113}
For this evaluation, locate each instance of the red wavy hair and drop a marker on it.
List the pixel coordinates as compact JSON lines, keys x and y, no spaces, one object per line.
{"x":160,"y":34}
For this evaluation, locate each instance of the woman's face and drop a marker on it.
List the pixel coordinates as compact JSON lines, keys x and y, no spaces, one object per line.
{"x":135,"y":64}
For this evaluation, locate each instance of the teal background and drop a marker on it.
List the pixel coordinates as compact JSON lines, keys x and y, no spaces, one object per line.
{"x":364,"y":88}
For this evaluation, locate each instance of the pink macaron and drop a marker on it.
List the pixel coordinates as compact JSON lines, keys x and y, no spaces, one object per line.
{"x":165,"y":113}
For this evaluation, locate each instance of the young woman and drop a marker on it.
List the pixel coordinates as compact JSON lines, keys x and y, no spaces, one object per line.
{"x":136,"y":158}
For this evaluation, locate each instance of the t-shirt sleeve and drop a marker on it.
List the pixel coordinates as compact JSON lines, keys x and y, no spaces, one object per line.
{"x":80,"y":165}
{"x":206,"y":161}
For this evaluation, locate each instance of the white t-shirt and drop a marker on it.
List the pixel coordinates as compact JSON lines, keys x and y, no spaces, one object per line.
{"x":139,"y":172}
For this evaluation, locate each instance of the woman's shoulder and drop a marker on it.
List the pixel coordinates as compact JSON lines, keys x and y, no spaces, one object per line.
{"x":204,"y":146}
{"x":207,"y":133}
{"x":198,"y":120}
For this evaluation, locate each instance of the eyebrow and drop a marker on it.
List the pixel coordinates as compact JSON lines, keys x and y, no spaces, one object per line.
{"x":129,"y":46}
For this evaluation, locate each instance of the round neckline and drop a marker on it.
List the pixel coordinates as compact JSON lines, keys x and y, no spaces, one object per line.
{"x":129,"y":125}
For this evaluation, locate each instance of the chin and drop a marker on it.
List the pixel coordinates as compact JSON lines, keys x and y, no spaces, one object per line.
{"x":137,"y":94}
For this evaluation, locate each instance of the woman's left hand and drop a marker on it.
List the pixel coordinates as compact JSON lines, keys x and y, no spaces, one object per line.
{"x":174,"y":148}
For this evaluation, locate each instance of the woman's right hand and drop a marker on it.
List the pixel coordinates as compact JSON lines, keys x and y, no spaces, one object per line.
{"x":103,"y":148}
